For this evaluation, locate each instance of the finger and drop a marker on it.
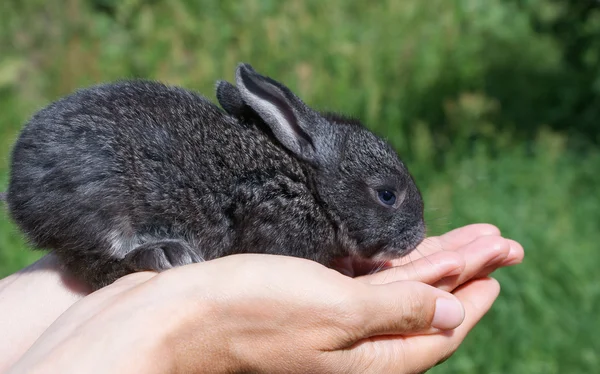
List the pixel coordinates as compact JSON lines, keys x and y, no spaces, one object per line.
{"x":483,"y":252}
{"x":406,"y":307}
{"x":466,"y":234}
{"x":426,"y":269}
{"x":515,"y":257}
{"x":427,"y":350}
{"x":428,"y":247}
{"x":416,"y":354}
{"x":452,"y":240}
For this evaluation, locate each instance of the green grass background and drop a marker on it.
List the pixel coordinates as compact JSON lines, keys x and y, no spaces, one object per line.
{"x":494,"y":104}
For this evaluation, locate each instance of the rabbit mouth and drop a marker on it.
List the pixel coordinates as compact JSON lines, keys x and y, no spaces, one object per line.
{"x":357,"y":265}
{"x":353,"y":266}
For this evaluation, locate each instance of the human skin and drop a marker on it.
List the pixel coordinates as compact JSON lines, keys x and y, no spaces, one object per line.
{"x":184,"y":308}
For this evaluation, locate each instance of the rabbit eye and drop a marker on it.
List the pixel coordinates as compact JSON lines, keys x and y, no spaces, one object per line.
{"x":387,"y":197}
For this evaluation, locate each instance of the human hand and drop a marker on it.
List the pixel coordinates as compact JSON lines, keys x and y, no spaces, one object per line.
{"x":258,"y":313}
{"x":459,"y":262}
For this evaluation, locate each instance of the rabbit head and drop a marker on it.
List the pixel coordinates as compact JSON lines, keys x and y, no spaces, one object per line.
{"x":358,"y":176}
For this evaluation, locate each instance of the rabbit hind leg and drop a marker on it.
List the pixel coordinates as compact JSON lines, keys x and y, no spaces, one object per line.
{"x":161,"y":255}
{"x":98,"y":268}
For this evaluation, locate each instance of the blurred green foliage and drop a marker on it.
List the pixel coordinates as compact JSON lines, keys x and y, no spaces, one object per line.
{"x":493,"y":103}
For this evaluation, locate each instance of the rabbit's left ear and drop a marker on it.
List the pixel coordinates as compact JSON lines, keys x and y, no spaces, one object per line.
{"x":290,"y":120}
{"x":230,"y":99}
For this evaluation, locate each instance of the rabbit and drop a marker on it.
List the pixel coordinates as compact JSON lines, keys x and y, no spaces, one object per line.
{"x":137,"y":175}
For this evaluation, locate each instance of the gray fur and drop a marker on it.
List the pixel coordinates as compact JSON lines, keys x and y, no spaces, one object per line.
{"x":137,"y":175}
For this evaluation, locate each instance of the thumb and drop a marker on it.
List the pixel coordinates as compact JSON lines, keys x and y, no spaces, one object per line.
{"x":409,"y":307}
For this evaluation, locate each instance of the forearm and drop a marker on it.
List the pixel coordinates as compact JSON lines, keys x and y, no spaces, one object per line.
{"x":95,"y":350}
{"x":30,"y":301}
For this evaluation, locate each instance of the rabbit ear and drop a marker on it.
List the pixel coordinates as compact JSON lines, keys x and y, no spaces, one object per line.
{"x":230,"y":99}
{"x":290,"y":120}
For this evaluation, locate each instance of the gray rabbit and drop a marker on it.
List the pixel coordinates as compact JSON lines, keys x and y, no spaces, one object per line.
{"x":137,"y":175}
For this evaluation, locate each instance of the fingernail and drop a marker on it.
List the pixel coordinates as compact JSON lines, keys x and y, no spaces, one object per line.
{"x":449,"y":313}
{"x":497,"y":260}
{"x":513,"y":258}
